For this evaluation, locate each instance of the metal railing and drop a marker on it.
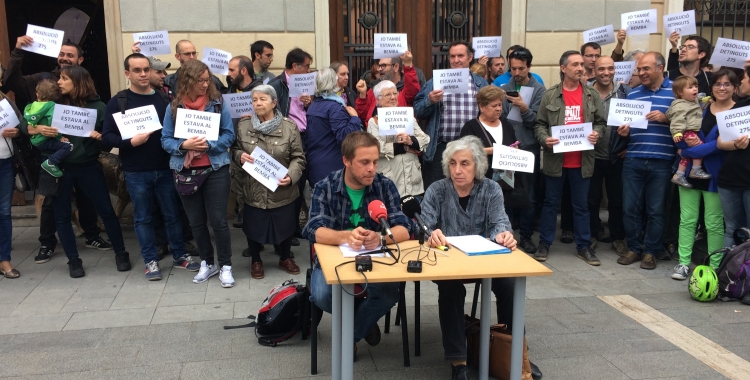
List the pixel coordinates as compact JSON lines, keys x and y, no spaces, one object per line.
{"x":721,"y":18}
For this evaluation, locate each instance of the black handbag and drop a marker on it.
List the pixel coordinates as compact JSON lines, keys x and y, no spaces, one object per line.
{"x":25,"y":166}
{"x":49,"y":186}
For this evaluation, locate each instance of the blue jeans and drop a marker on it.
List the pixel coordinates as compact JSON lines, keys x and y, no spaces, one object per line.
{"x":736,"y":207}
{"x":645,"y":181}
{"x":144,"y":188}
{"x":57,"y":149}
{"x":579,"y":192}
{"x":90,"y":179}
{"x":209,"y":205}
{"x":380,"y":298}
{"x":7,"y":184}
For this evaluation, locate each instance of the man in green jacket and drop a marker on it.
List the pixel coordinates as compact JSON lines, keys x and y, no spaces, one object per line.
{"x":567,"y":104}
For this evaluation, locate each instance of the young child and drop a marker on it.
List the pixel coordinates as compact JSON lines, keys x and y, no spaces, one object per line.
{"x":685,"y":117}
{"x":40,"y":113}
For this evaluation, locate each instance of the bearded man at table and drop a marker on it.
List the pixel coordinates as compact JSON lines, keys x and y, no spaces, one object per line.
{"x":338,"y":215}
{"x":467,"y":203}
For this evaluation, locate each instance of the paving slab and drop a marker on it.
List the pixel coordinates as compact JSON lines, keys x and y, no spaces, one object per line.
{"x":158,"y":371}
{"x":23,"y":324}
{"x":193,"y":313}
{"x":648,"y":365}
{"x":145,"y":335}
{"x":110,"y":318}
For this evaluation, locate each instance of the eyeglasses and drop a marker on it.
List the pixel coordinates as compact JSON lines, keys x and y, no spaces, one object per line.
{"x":307,"y":66}
{"x":589,"y":56}
{"x":389,"y":95}
{"x":723,"y":85}
{"x":687,"y":47}
{"x":191,"y":54}
{"x":202,"y":81}
{"x":384,"y":65}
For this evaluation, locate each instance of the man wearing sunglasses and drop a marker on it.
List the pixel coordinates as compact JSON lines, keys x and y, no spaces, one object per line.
{"x":185,"y":51}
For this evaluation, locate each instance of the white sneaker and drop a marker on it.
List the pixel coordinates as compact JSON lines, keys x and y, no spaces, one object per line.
{"x":681,"y":272}
{"x":227,"y":281}
{"x":206,"y":272}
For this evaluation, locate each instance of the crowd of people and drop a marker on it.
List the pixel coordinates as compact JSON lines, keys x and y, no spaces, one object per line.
{"x":654,"y":178}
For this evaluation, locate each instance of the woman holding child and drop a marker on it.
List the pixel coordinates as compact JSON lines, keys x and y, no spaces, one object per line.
{"x":704,"y":146}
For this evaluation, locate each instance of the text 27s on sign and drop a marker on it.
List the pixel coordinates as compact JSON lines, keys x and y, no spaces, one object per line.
{"x":489,"y":47}
{"x":389,"y":45}
{"x":733,"y":123}
{"x":46,"y":41}
{"x":74,"y":121}
{"x":730,"y":53}
{"x":136,"y":121}
{"x":191,"y":123}
{"x":301,"y":84}
{"x":153,"y":43}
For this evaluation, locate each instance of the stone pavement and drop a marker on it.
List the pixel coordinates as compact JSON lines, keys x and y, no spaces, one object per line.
{"x":117,"y":325}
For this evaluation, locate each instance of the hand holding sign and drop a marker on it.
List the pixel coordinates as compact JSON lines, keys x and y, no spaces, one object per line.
{"x":45,"y":41}
{"x":507,"y":158}
{"x":573,"y":137}
{"x":152,"y":43}
{"x":302,"y":84}
{"x":451,"y":81}
{"x":730,"y":53}
{"x":239,"y":104}
{"x":136,"y":121}
{"x":640,"y":22}
{"x":395,"y":120}
{"x":74,"y":121}
{"x":191,"y":123}
{"x":682,"y":23}
{"x":265,"y":169}
{"x":633,"y":112}
{"x":734,"y":123}
{"x":8,"y":117}
{"x":490,"y":47}
{"x":389,"y":45}
{"x":624,"y":71}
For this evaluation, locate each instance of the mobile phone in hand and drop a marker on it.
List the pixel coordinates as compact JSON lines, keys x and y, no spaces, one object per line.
{"x":512,"y":93}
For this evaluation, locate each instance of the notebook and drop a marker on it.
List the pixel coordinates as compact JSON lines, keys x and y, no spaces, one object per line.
{"x":475,"y":245}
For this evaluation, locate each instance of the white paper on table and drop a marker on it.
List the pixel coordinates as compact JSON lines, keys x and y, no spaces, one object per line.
{"x":490,"y":47}
{"x":8,"y":117}
{"x":348,"y":251}
{"x":192,"y":123}
{"x":507,"y":158}
{"x":639,"y":22}
{"x":74,"y":121}
{"x":624,"y":111}
{"x":265,"y":169}
{"x":573,"y":137}
{"x":239,"y":104}
{"x":302,"y":84}
{"x":602,"y":35}
{"x":46,"y":41}
{"x":525,"y":92}
{"x":624,"y":71}
{"x":153,"y":43}
{"x":733,"y":123}
{"x":389,"y":45}
{"x":681,"y":22}
{"x":394,"y":120}
{"x":137,"y":120}
{"x":730,"y":53}
{"x":452,"y":81}
{"x":217,"y":60}
{"x":475,"y":245}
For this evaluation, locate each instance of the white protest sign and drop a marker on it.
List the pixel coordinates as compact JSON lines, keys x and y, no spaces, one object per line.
{"x":74,"y":121}
{"x":490,"y":47}
{"x":682,"y":23}
{"x":8,"y":117}
{"x":153,"y":43}
{"x":730,"y":53}
{"x":525,"y":92}
{"x":191,"y":123}
{"x":137,"y":120}
{"x":394,"y":120}
{"x":46,"y":41}
{"x":217,"y":60}
{"x":602,"y":35}
{"x":265,"y":169}
{"x":733,"y":123}
{"x":239,"y":104}
{"x":573,"y":137}
{"x":624,"y":71}
{"x":302,"y":84}
{"x":389,"y":45}
{"x":507,"y":158}
{"x":633,"y":112}
{"x":452,"y":81}
{"x":640,"y":22}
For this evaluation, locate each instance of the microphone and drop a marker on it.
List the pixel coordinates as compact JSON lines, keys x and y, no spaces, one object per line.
{"x":379,"y":213}
{"x":411,"y":208}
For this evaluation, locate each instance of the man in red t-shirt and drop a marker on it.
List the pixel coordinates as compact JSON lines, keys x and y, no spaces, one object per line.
{"x":570,"y":102}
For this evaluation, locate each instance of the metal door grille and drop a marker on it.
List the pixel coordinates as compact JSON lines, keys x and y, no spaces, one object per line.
{"x":721,"y":18}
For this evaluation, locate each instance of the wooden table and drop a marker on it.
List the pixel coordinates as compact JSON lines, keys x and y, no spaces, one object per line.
{"x":457,"y":266}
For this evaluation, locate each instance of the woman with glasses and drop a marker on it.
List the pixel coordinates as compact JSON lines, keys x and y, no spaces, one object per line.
{"x":399,"y":153}
{"x":329,"y":120}
{"x":723,"y":86}
{"x":734,"y":176}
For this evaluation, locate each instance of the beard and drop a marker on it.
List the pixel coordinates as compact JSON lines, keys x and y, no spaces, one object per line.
{"x":237,"y":81}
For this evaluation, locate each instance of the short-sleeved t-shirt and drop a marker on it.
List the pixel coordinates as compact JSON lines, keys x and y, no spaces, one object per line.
{"x":357,"y":219}
{"x":573,"y":115}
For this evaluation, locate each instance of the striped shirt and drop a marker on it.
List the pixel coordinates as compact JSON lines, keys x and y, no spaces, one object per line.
{"x":656,"y":140}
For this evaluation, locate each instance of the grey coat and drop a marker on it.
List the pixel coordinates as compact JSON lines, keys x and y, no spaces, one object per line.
{"x":525,"y":130}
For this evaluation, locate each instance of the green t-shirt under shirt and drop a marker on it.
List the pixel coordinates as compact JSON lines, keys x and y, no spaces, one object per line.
{"x":357,"y":219}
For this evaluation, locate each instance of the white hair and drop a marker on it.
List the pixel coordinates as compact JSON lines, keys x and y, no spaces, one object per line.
{"x":383,"y":85}
{"x":265,"y":89}
{"x":474,"y":145}
{"x":630,"y":54}
{"x":326,"y":82}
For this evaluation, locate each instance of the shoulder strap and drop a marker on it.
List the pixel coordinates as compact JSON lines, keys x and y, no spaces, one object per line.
{"x":164,"y":97}
{"x":484,"y":131}
{"x":122,"y":101}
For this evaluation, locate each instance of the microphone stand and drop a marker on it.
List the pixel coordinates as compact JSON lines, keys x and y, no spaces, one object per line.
{"x":383,"y":247}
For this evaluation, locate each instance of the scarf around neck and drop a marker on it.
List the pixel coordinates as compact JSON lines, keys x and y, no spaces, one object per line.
{"x":267,"y":126}
{"x":199,"y":104}
{"x":335,"y":98}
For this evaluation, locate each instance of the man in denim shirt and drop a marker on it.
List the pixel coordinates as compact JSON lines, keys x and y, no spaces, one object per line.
{"x":466,"y":203}
{"x":338,"y":215}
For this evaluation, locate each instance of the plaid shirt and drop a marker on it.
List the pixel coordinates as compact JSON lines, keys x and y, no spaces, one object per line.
{"x":331,"y":206}
{"x":457,"y":110}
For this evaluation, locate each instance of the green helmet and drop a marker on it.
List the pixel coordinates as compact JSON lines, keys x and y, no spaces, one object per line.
{"x":704,"y":284}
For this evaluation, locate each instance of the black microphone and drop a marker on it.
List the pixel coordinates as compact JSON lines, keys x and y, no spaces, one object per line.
{"x":411,"y":208}
{"x":379,"y":213}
